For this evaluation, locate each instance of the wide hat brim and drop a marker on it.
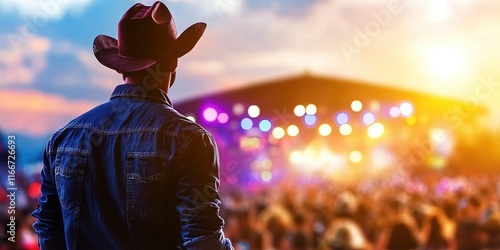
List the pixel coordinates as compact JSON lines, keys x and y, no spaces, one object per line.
{"x":107,"y":53}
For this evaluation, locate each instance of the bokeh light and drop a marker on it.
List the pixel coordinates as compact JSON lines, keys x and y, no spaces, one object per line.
{"x":374,"y":106}
{"x":394,"y":112}
{"x":310,"y":120}
{"x":376,"y":130}
{"x":345,"y":129}
{"x":296,"y":157}
{"x":355,"y":156}
{"x":238,"y":109}
{"x":278,"y":132}
{"x":253,"y":111}
{"x":249,"y":143}
{"x":266,"y":164}
{"x":382,"y":159}
{"x":265,"y":125}
{"x":299,"y":110}
{"x":223,"y":118}
{"x":406,"y":109}
{"x":368,"y":118}
{"x":266,"y":175}
{"x":356,"y":106}
{"x":210,"y":114}
{"x":34,"y":189}
{"x":254,"y":142}
{"x":411,"y":120}
{"x":325,"y":129}
{"x":246,"y":123}
{"x":438,"y":135}
{"x":442,"y":142}
{"x":342,"y":118}
{"x":311,"y":109}
{"x":292,"y":130}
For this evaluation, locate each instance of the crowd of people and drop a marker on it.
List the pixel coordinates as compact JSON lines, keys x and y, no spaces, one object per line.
{"x":419,"y":212}
{"x":424,"y":212}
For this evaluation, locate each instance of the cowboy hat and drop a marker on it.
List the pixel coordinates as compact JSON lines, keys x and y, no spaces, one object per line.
{"x":146,"y":35}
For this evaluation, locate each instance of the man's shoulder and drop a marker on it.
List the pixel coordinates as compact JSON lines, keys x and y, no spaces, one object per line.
{"x":88,"y":114}
{"x":80,"y":121}
{"x":179,"y":124}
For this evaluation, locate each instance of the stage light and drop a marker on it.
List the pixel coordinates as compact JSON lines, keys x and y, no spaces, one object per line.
{"x":265,"y":125}
{"x":411,"y":120}
{"x":244,"y":142}
{"x":394,"y":112}
{"x":249,"y":143}
{"x":374,"y":106}
{"x":210,"y":114}
{"x":299,"y":110}
{"x":355,"y":156}
{"x":376,"y":130}
{"x":442,"y":142}
{"x":266,"y":175}
{"x":253,"y":111}
{"x":342,"y":118}
{"x":406,"y":109}
{"x":368,"y":118}
{"x":310,"y":120}
{"x":246,"y":124}
{"x":296,"y":157}
{"x":238,"y":109}
{"x":190,"y":117}
{"x":356,"y":106}
{"x":345,"y":129}
{"x":325,"y":129}
{"x":438,"y":135}
{"x":292,"y":130}
{"x":278,"y":132}
{"x":311,"y":109}
{"x":254,"y":142}
{"x":266,"y":164}
{"x":34,"y":190}
{"x":223,"y":118}
{"x":381,"y":159}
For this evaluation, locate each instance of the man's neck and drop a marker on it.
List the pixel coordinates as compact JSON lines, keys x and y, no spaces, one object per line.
{"x":150,"y":83}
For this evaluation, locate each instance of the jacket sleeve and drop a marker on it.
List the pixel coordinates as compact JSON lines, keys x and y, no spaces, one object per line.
{"x":198,"y":201}
{"x":49,"y":224}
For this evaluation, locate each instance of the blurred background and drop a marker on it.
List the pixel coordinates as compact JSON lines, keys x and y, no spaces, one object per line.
{"x":366,"y":124}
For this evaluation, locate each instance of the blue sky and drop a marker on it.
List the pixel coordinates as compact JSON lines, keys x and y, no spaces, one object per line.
{"x":445,"y":47}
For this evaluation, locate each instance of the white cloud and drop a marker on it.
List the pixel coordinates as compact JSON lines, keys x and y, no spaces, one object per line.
{"x":204,"y":67}
{"x":100,"y":76}
{"x":262,"y":43}
{"x":44,"y":9}
{"x":265,"y":44}
{"x":20,"y":67}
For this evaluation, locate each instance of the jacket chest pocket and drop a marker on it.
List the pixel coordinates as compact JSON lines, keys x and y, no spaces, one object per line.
{"x":146,"y":185}
{"x":70,"y":166}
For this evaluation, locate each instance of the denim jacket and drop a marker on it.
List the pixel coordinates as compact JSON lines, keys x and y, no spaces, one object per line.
{"x":131,"y":173}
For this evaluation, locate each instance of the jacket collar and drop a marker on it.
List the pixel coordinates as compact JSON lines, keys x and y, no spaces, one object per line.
{"x":139,"y":92}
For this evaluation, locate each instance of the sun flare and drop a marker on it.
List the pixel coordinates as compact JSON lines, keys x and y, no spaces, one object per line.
{"x":445,"y":63}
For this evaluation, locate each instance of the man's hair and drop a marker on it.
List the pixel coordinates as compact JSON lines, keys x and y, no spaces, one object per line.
{"x":137,"y":74}
{"x":141,"y":74}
